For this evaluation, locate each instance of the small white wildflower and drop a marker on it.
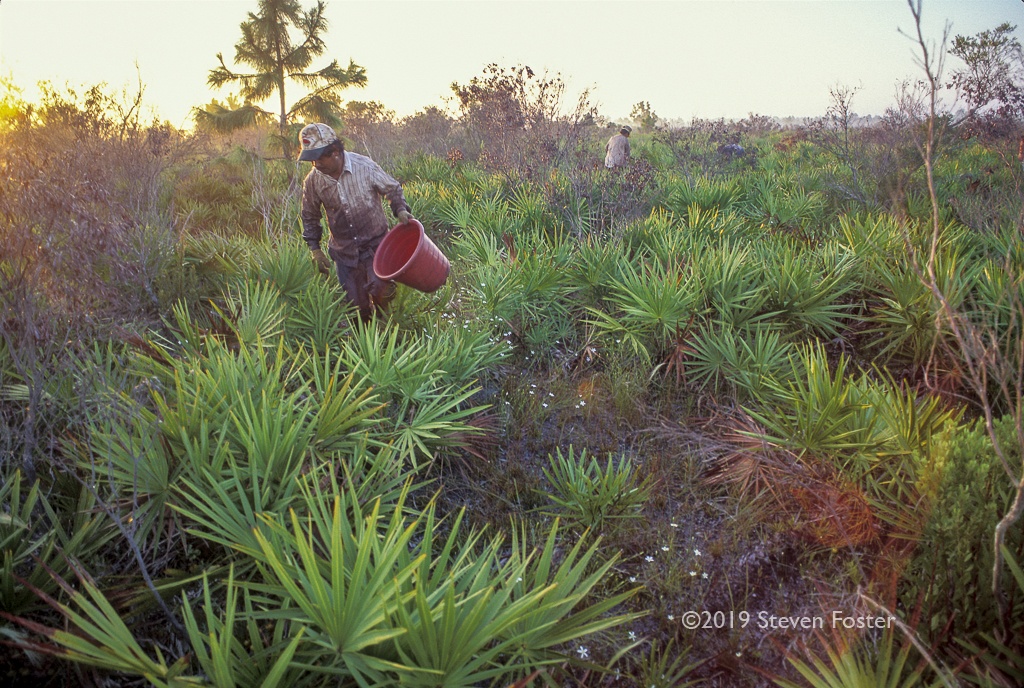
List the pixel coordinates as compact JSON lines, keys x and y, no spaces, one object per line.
{"x":544,"y":405}
{"x":551,"y":394}
{"x":739,"y":654}
{"x":696,"y":552}
{"x":693,"y":573}
{"x":704,"y":575}
{"x":674,"y":525}
{"x":648,"y":558}
{"x":671,"y":617}
{"x":632,"y":635}
{"x":664,"y":548}
{"x":632,"y":579}
{"x":583,"y":652}
{"x":582,"y":403}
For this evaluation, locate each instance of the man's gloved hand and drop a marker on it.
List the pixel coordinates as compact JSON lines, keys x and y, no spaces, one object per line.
{"x":404,"y":216}
{"x":322,"y":262}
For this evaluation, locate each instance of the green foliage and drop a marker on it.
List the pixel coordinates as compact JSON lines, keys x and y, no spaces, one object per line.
{"x":952,"y":568}
{"x":732,"y":286}
{"x":860,"y":667}
{"x":254,"y":312}
{"x":429,"y":408}
{"x":590,"y":495}
{"x":103,"y":640}
{"x":649,"y":305}
{"x":262,"y":449}
{"x":37,"y":535}
{"x":806,"y":295}
{"x":228,"y":660}
{"x":783,"y":206}
{"x":666,"y":667}
{"x":286,"y":265}
{"x":746,"y":363}
{"x":706,"y":194}
{"x":818,"y":409}
{"x":216,"y":197}
{"x":319,"y":314}
{"x":1002,"y":661}
{"x":525,"y":287}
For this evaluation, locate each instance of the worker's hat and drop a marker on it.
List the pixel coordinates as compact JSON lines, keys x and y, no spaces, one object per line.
{"x":314,"y":140}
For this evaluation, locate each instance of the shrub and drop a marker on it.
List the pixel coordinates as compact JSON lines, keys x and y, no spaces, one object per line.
{"x":951,"y":572}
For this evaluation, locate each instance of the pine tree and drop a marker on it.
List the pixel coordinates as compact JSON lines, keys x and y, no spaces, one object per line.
{"x":268,"y":49}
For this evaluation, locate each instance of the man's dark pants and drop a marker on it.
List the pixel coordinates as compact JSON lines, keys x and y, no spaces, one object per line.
{"x":362,"y":285}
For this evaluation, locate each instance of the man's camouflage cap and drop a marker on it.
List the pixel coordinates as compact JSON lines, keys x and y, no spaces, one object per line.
{"x":314,"y":140}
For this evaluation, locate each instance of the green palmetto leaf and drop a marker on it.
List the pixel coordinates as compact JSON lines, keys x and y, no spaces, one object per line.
{"x":37,"y":538}
{"x":612,"y":327}
{"x":732,"y":287}
{"x":748,"y":361}
{"x":905,"y":321}
{"x":459,"y":214}
{"x":102,"y":640}
{"x":705,"y":193}
{"x":815,"y":411}
{"x":431,"y":419}
{"x":341,"y":576}
{"x":595,"y":266}
{"x":225,"y":505}
{"x":450,"y":638}
{"x":466,"y":352}
{"x":273,"y":433}
{"x":139,"y":471}
{"x":255,"y":312}
{"x":653,"y":302}
{"x":858,"y":667}
{"x":223,"y":656}
{"x":287,"y":266}
{"x":343,"y":409}
{"x":588,"y":494}
{"x":530,"y":205}
{"x":811,"y":299}
{"x":393,"y":365}
{"x":561,"y":615}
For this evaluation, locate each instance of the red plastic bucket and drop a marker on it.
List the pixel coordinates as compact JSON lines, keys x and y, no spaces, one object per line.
{"x":407,"y":255}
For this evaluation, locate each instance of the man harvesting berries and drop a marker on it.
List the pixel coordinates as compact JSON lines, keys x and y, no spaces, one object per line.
{"x":348,"y":189}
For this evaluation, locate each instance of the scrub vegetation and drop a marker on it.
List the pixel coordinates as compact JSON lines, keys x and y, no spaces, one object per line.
{"x":719,"y":418}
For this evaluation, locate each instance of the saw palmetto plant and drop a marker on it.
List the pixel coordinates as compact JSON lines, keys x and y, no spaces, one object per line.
{"x":590,"y":495}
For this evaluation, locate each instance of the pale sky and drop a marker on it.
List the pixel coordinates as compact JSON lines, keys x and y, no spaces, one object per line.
{"x":687,"y":58}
